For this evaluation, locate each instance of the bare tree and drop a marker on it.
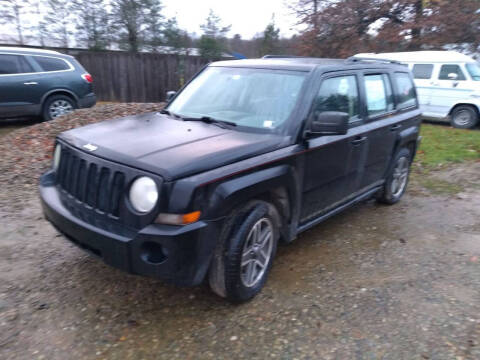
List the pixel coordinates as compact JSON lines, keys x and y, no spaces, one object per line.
{"x":57,"y":21}
{"x":12,"y":11}
{"x":93,"y":24}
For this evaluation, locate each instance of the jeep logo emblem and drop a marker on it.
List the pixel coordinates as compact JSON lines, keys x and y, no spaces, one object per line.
{"x":90,"y":147}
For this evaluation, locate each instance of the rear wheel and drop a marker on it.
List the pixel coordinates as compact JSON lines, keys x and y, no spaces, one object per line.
{"x":245,"y":253}
{"x":464,"y":117}
{"x":397,"y":180}
{"x":57,"y":105}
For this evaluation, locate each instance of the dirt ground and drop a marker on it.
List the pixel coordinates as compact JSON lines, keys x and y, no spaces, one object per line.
{"x":376,"y":282}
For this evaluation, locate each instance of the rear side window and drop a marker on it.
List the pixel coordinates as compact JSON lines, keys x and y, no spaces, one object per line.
{"x":14,"y":64}
{"x":422,"y":71}
{"x":406,"y":90}
{"x":339,"y":94}
{"x":379,"y":94}
{"x":445,"y":70}
{"x":51,"y":64}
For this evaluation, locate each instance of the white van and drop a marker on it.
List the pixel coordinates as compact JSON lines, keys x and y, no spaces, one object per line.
{"x":448,"y":84}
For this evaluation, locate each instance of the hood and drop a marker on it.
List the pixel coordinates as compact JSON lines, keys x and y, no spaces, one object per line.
{"x":169,"y":147}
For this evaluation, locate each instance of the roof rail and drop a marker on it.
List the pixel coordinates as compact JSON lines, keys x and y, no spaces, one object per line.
{"x":280,"y":56}
{"x":358,"y":59}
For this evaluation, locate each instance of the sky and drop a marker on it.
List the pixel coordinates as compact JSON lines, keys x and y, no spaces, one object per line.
{"x":247,"y":17}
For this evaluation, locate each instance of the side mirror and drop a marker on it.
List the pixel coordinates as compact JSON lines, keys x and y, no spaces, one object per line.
{"x":170,"y":95}
{"x":452,"y":76}
{"x":329,"y":123}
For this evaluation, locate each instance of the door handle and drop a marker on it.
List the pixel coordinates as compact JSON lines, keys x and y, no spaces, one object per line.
{"x":31,"y":83}
{"x":395,"y":127}
{"x":359,"y":140}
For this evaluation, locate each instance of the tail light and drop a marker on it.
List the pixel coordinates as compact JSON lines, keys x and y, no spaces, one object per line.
{"x":88,"y":78}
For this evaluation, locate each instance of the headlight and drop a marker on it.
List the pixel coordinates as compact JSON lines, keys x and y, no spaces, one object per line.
{"x":143,"y":194}
{"x":56,"y":157}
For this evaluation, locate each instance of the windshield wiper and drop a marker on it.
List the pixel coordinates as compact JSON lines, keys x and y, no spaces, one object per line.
{"x":169,"y":113}
{"x":210,"y":120}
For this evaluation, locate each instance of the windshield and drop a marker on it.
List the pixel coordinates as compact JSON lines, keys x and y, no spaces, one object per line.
{"x":474,"y":71}
{"x":249,"y":97}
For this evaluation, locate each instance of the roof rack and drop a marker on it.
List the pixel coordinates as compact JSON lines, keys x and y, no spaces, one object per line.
{"x":358,"y":59}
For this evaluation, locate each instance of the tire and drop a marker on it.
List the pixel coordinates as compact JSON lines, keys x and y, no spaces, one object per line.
{"x":464,"y":117}
{"x":57,"y":105}
{"x":228,"y":277}
{"x":397,"y":179}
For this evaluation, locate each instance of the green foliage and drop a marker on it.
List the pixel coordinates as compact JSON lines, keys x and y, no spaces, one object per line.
{"x":136,"y":23}
{"x":212,"y":42}
{"x":270,"y":39}
{"x":442,"y":145}
{"x":173,"y":36}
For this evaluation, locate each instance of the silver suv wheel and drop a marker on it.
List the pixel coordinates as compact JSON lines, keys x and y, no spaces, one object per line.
{"x":60,"y":107}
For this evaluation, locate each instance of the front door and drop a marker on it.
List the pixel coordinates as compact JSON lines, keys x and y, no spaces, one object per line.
{"x":16,"y":84}
{"x":449,"y":87}
{"x":333,"y":164}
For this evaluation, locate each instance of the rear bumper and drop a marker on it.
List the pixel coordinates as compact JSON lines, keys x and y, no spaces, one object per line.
{"x":87,"y":101}
{"x":177,"y":254}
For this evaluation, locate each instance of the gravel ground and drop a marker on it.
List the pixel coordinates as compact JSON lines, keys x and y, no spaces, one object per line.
{"x":376,"y":282}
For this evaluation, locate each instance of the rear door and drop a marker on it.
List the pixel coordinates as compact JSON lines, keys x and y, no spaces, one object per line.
{"x":383,"y":126}
{"x":50,"y":75}
{"x":15,"y":79}
{"x":333,"y":164}
{"x":390,"y":96}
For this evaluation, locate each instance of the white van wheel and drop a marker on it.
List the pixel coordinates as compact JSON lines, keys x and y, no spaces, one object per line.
{"x":464,"y":117}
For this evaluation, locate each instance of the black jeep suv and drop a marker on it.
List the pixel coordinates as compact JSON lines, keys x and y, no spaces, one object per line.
{"x":248,"y":153}
{"x":42,"y":83}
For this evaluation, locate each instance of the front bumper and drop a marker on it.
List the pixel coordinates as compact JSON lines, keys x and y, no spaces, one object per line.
{"x":87,"y":101}
{"x":176,"y":254}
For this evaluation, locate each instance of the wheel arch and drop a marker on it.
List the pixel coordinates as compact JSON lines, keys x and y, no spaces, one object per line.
{"x":476,"y":107}
{"x":64,"y":92}
{"x":276,"y":185}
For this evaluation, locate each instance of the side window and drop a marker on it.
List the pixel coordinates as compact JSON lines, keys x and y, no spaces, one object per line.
{"x":446,"y":70}
{"x":406,"y":90}
{"x":339,"y":94}
{"x":422,"y":71}
{"x":379,"y":94}
{"x":51,"y":64}
{"x":14,"y":64}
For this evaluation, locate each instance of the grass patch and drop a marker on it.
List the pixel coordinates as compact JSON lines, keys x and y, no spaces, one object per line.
{"x":442,"y":145}
{"x":439,"y":187}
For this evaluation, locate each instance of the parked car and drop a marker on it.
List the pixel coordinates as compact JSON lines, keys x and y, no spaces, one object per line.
{"x":448,"y":84}
{"x":42,"y":83}
{"x":248,"y":153}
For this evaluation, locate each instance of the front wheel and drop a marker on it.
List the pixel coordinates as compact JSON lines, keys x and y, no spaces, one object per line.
{"x":397,"y":180}
{"x":464,"y":117}
{"x":245,"y":253}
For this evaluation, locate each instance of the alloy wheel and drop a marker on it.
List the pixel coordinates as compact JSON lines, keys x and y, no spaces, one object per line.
{"x":256,"y":253}
{"x":60,"y":107}
{"x":400,"y":176}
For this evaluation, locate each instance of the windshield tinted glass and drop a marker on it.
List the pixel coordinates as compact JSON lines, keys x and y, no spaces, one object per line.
{"x":255,"y":98}
{"x":474,"y":71}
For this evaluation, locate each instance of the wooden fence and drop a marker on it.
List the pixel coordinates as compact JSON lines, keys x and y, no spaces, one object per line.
{"x":137,"y":77}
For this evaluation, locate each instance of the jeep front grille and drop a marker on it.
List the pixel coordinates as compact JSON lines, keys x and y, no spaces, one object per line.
{"x":91,"y":183}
